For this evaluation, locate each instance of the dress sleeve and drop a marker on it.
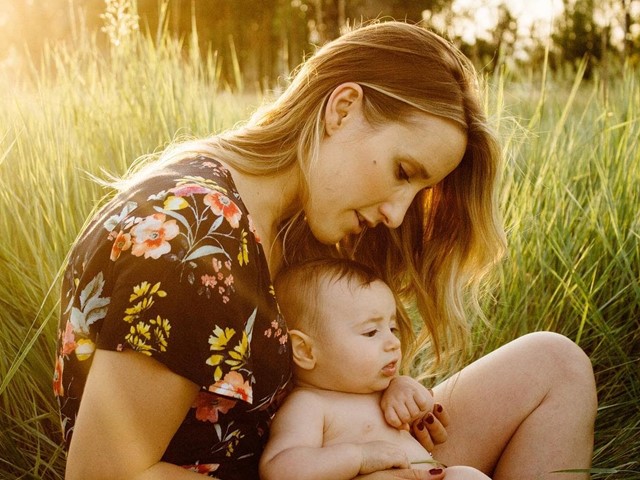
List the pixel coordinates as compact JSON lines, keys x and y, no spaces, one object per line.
{"x":188,"y":284}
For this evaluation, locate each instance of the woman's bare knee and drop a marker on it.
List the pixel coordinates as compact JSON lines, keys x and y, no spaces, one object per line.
{"x":567,"y":369}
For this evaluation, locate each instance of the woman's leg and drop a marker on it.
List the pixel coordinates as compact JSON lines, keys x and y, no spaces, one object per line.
{"x":459,"y":472}
{"x":522,"y":411}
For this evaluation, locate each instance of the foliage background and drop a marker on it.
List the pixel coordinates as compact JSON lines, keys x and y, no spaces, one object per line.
{"x":92,"y":104}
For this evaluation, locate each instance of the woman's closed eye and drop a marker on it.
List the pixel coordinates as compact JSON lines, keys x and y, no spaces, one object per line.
{"x":370,"y":333}
{"x":402,"y":174}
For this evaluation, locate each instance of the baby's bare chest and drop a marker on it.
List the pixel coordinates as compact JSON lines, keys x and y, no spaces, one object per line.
{"x":361,"y":420}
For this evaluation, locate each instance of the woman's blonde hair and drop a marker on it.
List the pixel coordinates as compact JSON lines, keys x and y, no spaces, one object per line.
{"x":452,"y":234}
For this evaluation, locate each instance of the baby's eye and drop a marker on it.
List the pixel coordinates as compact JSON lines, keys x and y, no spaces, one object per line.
{"x":370,"y":333}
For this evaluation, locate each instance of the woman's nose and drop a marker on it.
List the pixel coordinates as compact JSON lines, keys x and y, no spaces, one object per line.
{"x":394,"y":210}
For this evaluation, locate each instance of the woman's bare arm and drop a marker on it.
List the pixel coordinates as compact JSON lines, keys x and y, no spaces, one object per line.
{"x":131,"y":407}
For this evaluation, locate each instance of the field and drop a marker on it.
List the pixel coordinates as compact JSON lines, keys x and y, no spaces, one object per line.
{"x":570,"y":196}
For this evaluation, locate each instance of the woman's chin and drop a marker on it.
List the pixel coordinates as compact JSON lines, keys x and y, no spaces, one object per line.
{"x":327,"y":237}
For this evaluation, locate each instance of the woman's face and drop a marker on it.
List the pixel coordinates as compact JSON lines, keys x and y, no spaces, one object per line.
{"x":366,"y":175}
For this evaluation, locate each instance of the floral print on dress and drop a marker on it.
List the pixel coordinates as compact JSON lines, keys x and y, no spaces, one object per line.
{"x":151,"y":236}
{"x":221,"y":205}
{"x":174,"y":270}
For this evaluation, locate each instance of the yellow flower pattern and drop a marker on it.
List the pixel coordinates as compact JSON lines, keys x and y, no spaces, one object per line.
{"x":243,"y":254}
{"x":174,"y":272}
{"x":146,"y":336}
{"x":146,"y":291}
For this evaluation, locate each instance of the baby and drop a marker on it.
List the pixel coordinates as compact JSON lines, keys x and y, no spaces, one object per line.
{"x":346,"y":351}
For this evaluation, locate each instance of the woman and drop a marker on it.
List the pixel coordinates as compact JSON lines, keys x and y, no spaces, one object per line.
{"x":172,"y":351}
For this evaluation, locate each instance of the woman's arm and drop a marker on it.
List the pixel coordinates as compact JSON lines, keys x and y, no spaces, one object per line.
{"x":131,"y":407}
{"x":295,"y":450}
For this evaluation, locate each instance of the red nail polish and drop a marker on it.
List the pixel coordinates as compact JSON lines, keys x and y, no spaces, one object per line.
{"x":420,"y":426}
{"x":429,"y":418}
{"x":439,"y":408}
{"x":435,"y":471}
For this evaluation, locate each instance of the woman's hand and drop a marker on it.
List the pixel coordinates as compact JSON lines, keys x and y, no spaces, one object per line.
{"x":430,"y":429}
{"x":405,"y":474}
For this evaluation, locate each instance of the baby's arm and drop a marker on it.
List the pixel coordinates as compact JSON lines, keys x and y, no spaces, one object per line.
{"x":295,"y":449}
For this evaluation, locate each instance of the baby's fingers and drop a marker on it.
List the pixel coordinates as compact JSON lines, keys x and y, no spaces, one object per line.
{"x":392,"y":417}
{"x":399,"y":414}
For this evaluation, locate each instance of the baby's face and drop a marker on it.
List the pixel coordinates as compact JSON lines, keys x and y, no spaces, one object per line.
{"x":358,"y":349}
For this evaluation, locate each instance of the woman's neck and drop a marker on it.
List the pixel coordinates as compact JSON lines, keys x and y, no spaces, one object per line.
{"x":270,"y":199}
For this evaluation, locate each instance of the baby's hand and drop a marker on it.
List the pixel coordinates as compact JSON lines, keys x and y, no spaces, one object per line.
{"x":381,"y":456}
{"x":404,"y":401}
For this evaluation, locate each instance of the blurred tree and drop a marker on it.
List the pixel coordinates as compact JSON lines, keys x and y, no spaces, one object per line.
{"x":627,"y":22}
{"x":408,"y":10}
{"x":577,"y":34}
{"x":328,"y":17}
{"x":504,"y":36}
{"x":265,"y":39}
{"x":331,"y":16}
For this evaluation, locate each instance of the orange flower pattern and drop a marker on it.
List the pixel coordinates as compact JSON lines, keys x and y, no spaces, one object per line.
{"x":175,"y":271}
{"x":151,"y":236}
{"x":221,"y":205}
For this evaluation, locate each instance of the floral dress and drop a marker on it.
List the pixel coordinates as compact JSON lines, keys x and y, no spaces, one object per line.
{"x":173,"y":269}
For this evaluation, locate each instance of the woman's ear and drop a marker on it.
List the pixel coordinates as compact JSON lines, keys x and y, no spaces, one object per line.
{"x":302,"y":348}
{"x":344,"y":101}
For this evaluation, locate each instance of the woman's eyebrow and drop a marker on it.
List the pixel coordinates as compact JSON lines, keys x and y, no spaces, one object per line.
{"x":421,"y":170}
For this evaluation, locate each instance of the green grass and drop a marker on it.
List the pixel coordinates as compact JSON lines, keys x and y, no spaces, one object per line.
{"x":571,"y":195}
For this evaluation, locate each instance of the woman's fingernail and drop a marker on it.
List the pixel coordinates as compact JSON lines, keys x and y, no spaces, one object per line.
{"x":420,"y":426}
{"x":435,"y":471}
{"x":439,"y":408}
{"x":429,"y":418}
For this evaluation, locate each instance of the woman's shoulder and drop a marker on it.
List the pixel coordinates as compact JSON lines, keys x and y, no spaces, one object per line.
{"x":183,"y":175}
{"x":184,"y":192}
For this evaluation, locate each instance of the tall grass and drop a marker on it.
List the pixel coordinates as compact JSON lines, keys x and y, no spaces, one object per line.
{"x":571,"y":196}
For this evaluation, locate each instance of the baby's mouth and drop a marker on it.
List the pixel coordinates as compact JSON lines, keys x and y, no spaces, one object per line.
{"x":390,"y":369}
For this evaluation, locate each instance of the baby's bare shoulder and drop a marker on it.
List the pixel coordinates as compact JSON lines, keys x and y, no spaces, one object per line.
{"x":304,"y":398}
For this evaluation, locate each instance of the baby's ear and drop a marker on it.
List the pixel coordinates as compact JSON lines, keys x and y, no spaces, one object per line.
{"x":302,"y":347}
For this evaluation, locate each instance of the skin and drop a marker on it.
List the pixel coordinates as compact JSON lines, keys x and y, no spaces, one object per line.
{"x":357,"y":349}
{"x":549,"y":424}
{"x":532,"y":402}
{"x":132,"y":406}
{"x":340,"y":372}
{"x":366,"y":174}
